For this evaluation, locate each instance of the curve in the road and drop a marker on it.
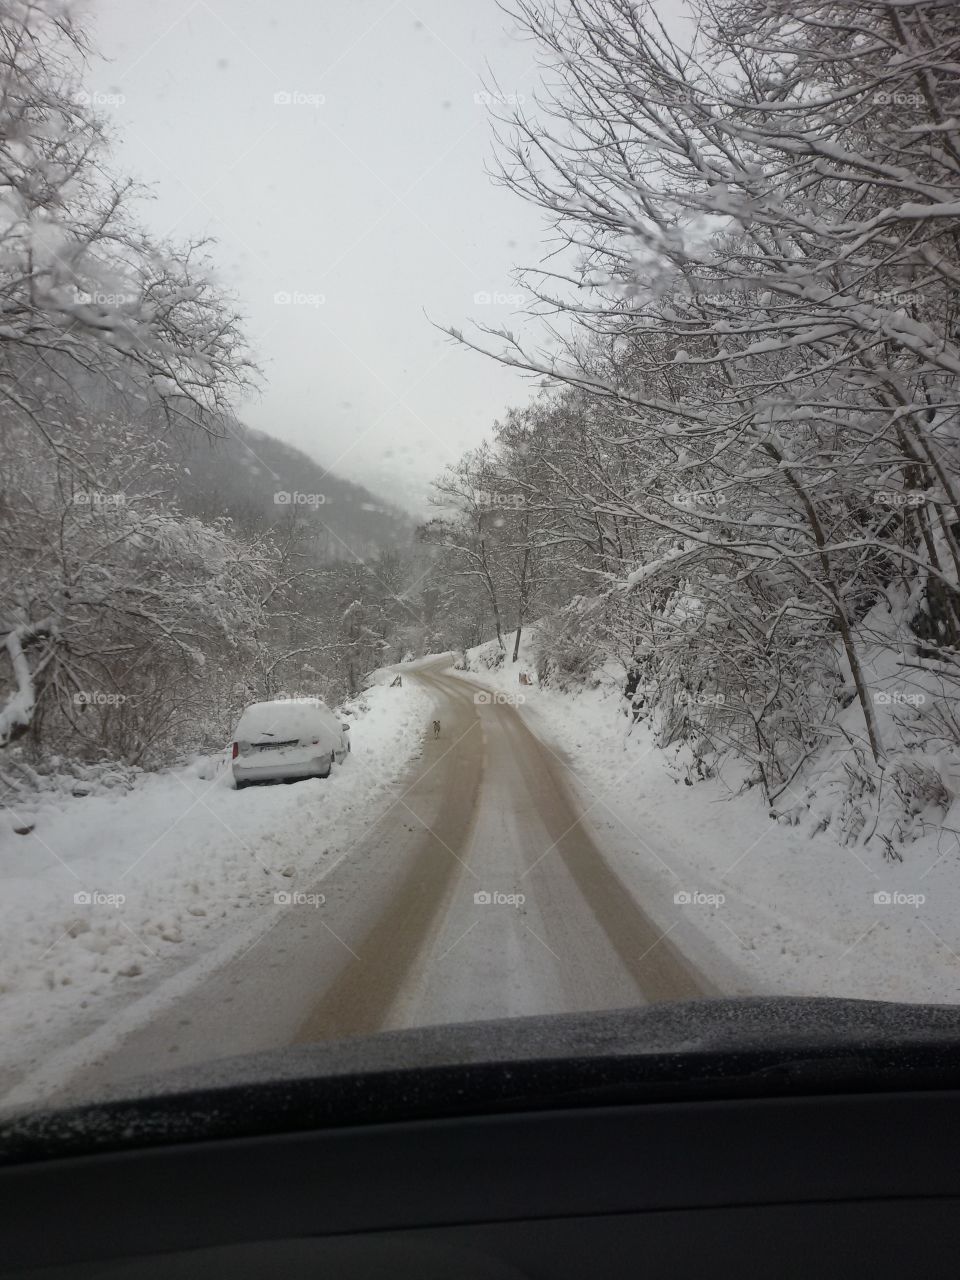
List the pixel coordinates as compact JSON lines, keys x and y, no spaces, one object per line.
{"x":502,"y":806}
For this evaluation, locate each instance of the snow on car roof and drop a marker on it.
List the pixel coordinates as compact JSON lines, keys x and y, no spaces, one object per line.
{"x":290,"y":714}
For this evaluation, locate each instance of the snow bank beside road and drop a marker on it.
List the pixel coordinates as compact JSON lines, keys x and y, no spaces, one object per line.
{"x":761,"y":907}
{"x":113,"y":895}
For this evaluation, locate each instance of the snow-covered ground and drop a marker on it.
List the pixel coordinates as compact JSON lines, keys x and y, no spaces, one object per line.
{"x":119,"y":903}
{"x":779,"y":908}
{"x":115,"y":900}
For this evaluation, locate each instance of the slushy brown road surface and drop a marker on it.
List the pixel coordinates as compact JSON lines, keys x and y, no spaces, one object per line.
{"x":479,"y":893}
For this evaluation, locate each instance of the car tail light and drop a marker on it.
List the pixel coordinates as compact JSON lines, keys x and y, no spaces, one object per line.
{"x":236,"y":750}
{"x":316,"y":741}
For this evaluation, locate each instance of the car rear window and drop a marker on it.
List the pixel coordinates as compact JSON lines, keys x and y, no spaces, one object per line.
{"x":275,"y":719}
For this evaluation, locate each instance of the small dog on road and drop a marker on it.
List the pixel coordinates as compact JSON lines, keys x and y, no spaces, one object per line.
{"x":436,"y":728}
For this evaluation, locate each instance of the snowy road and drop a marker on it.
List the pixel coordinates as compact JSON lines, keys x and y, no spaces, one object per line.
{"x":578,"y":940}
{"x":477,"y":894}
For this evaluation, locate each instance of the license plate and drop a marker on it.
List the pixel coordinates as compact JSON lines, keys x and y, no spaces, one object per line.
{"x":274,"y":746}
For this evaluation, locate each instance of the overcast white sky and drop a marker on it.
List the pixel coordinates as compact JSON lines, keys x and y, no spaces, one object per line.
{"x":377,"y":199}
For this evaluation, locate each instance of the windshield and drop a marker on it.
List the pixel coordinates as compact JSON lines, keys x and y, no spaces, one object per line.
{"x":479,"y":528}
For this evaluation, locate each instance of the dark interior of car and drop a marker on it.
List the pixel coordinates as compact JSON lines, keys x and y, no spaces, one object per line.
{"x":790,"y":1154}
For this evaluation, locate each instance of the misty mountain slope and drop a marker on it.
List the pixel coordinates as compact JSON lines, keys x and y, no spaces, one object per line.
{"x":257,"y":480}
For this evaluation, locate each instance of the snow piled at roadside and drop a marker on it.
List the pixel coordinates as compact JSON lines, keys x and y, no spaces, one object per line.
{"x":763,"y":907}
{"x":111,"y":896}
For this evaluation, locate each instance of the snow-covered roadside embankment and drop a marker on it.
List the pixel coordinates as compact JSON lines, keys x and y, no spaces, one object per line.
{"x":111,"y":896}
{"x":783,"y":910}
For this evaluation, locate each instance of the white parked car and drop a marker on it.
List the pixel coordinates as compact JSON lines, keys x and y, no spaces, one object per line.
{"x":288,"y":739}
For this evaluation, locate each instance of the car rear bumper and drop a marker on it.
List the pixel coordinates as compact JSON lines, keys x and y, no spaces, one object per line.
{"x":278,"y":770}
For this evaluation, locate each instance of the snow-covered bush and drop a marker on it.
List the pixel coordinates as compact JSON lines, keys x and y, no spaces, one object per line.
{"x":566,"y":653}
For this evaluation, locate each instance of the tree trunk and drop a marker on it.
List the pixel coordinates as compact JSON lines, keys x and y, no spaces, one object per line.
{"x":840,"y":612}
{"x":522,"y":591}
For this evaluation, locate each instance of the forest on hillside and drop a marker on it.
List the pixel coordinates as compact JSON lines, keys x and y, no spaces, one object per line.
{"x":741,"y":483}
{"x":738,"y":489}
{"x":160,"y":565}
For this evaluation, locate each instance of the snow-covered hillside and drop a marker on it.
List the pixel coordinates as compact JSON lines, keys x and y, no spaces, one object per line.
{"x":788,"y":907}
{"x":116,"y":897}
